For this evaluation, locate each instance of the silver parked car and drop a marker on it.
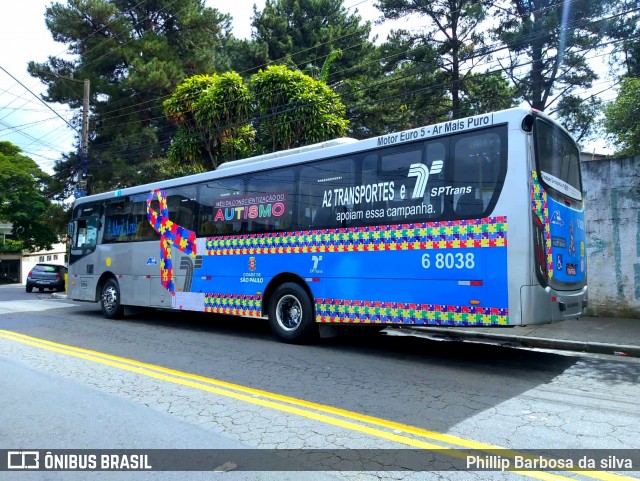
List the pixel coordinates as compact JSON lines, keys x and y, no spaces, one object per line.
{"x":46,"y":276}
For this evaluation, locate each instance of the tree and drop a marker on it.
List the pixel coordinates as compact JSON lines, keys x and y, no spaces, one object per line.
{"x":622,"y":117}
{"x":454,"y":32}
{"x":221,"y":118}
{"x":294,"y":110}
{"x":303,"y":34}
{"x":134,"y":53}
{"x":22,"y":202}
{"x":550,"y":41}
{"x":212,"y":115}
{"x":623,"y":27}
{"x":404,"y":88}
{"x":486,"y":92}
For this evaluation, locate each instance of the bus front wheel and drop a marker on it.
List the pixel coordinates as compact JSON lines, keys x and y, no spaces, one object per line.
{"x":110,"y":300}
{"x":291,"y":314}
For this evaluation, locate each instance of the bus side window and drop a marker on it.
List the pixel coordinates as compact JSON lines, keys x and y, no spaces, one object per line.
{"x":477,"y":166}
{"x":144,"y":231}
{"x":217,"y":214}
{"x":469,"y":204}
{"x":369,"y":169}
{"x":117,"y":221}
{"x":436,"y":160}
{"x":207,"y":227}
{"x":272,"y":193}
{"x":324,"y":193}
{"x":181,"y":204}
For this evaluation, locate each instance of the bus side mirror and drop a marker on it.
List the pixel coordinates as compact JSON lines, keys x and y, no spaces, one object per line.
{"x":70,"y":228}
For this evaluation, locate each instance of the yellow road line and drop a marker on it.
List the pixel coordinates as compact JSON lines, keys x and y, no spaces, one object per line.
{"x":294,"y":406}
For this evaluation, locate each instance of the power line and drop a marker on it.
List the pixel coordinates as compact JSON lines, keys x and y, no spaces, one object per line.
{"x":37,"y":97}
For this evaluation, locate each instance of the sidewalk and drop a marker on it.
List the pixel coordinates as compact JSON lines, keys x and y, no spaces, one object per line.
{"x":600,"y":335}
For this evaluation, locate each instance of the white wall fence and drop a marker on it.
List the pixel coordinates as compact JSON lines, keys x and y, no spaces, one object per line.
{"x":613,"y":235}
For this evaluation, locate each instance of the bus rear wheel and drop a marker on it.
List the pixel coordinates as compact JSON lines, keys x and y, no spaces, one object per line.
{"x":291,"y":314}
{"x":110,"y":300}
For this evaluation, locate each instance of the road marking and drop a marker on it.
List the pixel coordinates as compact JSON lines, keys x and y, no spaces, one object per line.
{"x":9,"y":307}
{"x":299,"y":407}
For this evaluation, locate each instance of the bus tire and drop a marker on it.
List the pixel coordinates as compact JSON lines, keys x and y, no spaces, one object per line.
{"x":291,"y":314}
{"x":110,"y":300}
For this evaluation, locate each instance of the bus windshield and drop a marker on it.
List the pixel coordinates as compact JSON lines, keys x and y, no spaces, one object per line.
{"x":558,"y":160}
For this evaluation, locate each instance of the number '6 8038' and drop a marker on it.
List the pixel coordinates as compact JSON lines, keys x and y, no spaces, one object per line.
{"x":449,"y":261}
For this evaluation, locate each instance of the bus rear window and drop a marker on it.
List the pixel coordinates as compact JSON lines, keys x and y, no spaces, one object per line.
{"x":558,"y":160}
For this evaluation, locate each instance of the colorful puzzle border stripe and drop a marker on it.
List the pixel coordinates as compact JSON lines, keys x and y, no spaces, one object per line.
{"x":471,"y":233}
{"x":234,"y":304}
{"x":346,"y":311}
{"x":540,"y":206}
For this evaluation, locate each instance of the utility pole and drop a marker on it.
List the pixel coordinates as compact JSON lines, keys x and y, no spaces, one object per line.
{"x":85,"y":119}
{"x":83,"y":167}
{"x":83,"y":183}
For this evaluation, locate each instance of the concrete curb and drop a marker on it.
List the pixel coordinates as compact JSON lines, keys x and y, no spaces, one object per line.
{"x":530,"y":341}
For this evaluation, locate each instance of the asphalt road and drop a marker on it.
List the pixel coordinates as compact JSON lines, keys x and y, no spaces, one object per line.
{"x":236,"y":386}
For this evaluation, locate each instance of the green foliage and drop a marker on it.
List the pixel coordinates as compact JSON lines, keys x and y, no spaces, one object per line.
{"x":294,"y":109}
{"x":305,"y":34}
{"x":134,"y":53}
{"x":578,"y":115}
{"x":486,"y":92}
{"x":22,"y":202}
{"x":221,"y":118}
{"x":164,"y":168}
{"x":224,"y":109}
{"x":622,"y":117}
{"x":453,"y":33}
{"x":212,"y":113}
{"x":10,"y":245}
{"x":160,"y":107}
{"x":550,"y":39}
{"x":623,"y":26}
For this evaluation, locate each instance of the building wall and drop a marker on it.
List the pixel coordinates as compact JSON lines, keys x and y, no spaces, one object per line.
{"x":54,"y":256}
{"x":613,"y":235}
{"x":57,"y":255}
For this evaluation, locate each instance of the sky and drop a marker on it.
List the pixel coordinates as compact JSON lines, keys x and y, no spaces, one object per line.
{"x":24,"y":120}
{"x":42,"y":131}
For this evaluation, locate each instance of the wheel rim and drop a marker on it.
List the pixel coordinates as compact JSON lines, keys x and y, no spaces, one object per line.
{"x":289,"y":312}
{"x":110,"y":299}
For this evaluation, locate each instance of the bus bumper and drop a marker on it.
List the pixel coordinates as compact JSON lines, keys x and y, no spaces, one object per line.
{"x":546,"y":305}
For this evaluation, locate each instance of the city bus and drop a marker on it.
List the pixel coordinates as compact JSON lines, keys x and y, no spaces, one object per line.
{"x":475,"y":222}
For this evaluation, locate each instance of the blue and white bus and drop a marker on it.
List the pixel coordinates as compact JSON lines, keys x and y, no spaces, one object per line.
{"x":474,"y":222}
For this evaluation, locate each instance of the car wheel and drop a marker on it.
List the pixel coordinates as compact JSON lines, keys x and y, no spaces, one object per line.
{"x":41,"y":289}
{"x":29,"y":288}
{"x":110,"y":300}
{"x":291,"y":314}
